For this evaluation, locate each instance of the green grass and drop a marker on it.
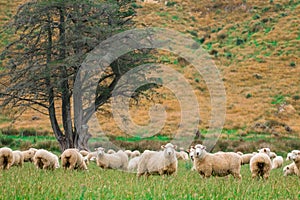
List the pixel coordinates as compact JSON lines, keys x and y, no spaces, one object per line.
{"x":31,"y":183}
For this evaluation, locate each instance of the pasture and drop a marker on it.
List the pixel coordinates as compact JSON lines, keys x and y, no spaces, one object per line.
{"x":96,"y":183}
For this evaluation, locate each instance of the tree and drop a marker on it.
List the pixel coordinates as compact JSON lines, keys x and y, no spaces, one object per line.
{"x":53,"y":38}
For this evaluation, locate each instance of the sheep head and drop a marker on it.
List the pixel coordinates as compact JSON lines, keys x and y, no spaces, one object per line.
{"x":169,"y":149}
{"x":100,"y":151}
{"x":199,"y":150}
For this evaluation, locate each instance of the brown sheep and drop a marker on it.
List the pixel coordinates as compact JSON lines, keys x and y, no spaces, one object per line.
{"x":218,"y":164}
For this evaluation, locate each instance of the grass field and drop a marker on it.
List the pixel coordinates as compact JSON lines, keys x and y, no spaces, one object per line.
{"x":96,"y":183}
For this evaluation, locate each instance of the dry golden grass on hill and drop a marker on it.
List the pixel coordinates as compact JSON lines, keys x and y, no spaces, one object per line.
{"x":255,"y":45}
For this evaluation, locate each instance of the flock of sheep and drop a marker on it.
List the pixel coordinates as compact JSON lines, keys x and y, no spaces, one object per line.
{"x":163,"y":162}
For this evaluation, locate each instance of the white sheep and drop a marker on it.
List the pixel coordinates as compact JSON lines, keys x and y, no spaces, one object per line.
{"x":277,"y":162}
{"x":128,"y":152}
{"x":117,"y":160}
{"x":72,"y":159}
{"x":29,"y":154}
{"x":110,"y":151}
{"x":182,"y":155}
{"x":6,"y":158}
{"x":44,"y":159}
{"x":290,"y":169}
{"x":133,"y":164}
{"x":161,"y":163}
{"x":246,"y":158}
{"x":260,"y":164}
{"x":84,"y":153}
{"x":272,"y":155}
{"x":90,"y":157}
{"x":18,"y":158}
{"x":135,"y":153}
{"x":218,"y":164}
{"x":289,"y":156}
{"x":191,"y":152}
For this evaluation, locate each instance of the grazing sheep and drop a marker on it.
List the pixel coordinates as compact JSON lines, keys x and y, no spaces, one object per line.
{"x":290,"y":169}
{"x":117,"y":160}
{"x":182,"y":155}
{"x":246,"y":158}
{"x":277,"y":162}
{"x":6,"y":158}
{"x":218,"y":164}
{"x":289,"y":156}
{"x":133,"y":164}
{"x":44,"y":159}
{"x":29,"y":154}
{"x":260,"y":164}
{"x":162,"y":162}
{"x":110,"y":151}
{"x":128,"y":152}
{"x":272,"y":155}
{"x":135,"y":153}
{"x":18,"y":158}
{"x":91,"y":157}
{"x":84,"y":153}
{"x":72,"y":159}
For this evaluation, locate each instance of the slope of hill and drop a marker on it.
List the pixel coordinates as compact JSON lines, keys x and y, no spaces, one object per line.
{"x":255,"y":45}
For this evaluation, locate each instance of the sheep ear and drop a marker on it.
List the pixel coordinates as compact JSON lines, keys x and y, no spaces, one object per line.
{"x":175,"y":146}
{"x":188,"y":151}
{"x":203,"y":147}
{"x":192,"y":147}
{"x":162,"y":146}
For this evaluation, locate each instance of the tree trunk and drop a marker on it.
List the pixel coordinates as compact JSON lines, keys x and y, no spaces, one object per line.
{"x":51,"y":109}
{"x":66,"y":96}
{"x":82,"y":137}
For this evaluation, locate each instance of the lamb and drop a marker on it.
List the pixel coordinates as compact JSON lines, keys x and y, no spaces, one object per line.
{"x":44,"y":159}
{"x":6,"y":158}
{"x":218,"y":164}
{"x":18,"y":158}
{"x":161,"y":163}
{"x":277,"y":162}
{"x":117,"y":160}
{"x":133,"y":164}
{"x":246,"y":158}
{"x":290,"y":169}
{"x":29,"y":154}
{"x":72,"y":159}
{"x":260,"y":164}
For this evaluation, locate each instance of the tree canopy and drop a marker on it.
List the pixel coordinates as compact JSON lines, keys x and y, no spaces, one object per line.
{"x":53,"y":38}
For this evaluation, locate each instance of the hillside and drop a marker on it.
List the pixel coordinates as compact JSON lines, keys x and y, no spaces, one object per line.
{"x":255,"y":45}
